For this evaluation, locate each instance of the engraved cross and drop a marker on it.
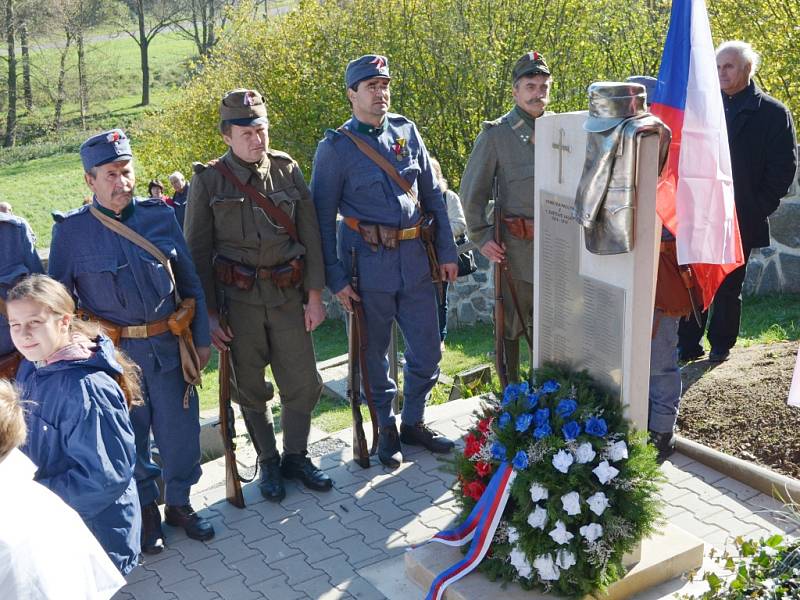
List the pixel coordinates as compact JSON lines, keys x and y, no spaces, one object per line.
{"x":561,"y":149}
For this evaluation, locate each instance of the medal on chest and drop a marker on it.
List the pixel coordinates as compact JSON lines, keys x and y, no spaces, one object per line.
{"x":400,"y":148}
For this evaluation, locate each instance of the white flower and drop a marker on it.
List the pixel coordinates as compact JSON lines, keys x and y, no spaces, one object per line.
{"x":585,"y":453}
{"x":560,"y":534}
{"x":562,"y":461}
{"x":617,"y":450}
{"x":513,"y":535}
{"x":538,"y":492}
{"x":520,"y":562}
{"x":571,"y":503}
{"x":538,"y":518}
{"x":597,"y":503}
{"x":605,"y":472}
{"x":547,"y":569}
{"x":592,"y":531}
{"x":565,"y":559}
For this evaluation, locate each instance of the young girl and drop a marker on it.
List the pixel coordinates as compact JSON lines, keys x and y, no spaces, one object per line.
{"x":80,"y":434}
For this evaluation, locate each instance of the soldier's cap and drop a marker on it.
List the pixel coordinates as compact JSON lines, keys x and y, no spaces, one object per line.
{"x":106,"y":147}
{"x":611,"y":102}
{"x":243,"y":107}
{"x":366,"y":67}
{"x":530,"y":63}
{"x":648,"y":82}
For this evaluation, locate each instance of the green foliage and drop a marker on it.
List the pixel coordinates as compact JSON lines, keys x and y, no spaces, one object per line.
{"x":764,"y":568}
{"x":633,"y":508}
{"x":451,"y":62}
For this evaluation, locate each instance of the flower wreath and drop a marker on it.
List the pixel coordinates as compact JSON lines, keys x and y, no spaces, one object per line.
{"x":584,"y":485}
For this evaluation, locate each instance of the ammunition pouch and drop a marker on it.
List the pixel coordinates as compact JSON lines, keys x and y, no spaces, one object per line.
{"x":243,"y":277}
{"x":9,"y":363}
{"x":673,"y":283}
{"x":519,"y":227}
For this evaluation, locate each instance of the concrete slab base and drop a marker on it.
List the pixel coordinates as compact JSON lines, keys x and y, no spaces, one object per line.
{"x":664,"y":556}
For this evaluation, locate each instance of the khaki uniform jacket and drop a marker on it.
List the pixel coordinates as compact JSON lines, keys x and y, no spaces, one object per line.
{"x":504,"y":150}
{"x":220,"y":220}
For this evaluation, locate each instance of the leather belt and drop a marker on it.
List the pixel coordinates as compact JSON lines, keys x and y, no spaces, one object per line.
{"x":409,"y":233}
{"x":519,"y":227}
{"x":145,"y":330}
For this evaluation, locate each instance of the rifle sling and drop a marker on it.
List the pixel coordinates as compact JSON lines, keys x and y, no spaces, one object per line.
{"x":258,"y":199}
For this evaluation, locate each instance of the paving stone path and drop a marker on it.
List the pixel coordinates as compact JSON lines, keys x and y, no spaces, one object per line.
{"x":332,"y":545}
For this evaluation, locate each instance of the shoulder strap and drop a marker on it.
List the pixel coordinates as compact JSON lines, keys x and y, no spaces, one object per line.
{"x":129,"y":234}
{"x":3,"y":310}
{"x":262,"y":202}
{"x":384,"y":164}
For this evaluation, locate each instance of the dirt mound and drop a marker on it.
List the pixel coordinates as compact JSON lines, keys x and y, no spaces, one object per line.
{"x":739,"y":406}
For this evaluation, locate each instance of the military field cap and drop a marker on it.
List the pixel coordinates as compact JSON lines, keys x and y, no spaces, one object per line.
{"x":366,"y":67}
{"x":648,"y":82}
{"x":243,"y":107}
{"x":106,"y":147}
{"x":530,"y":63}
{"x":611,"y":102}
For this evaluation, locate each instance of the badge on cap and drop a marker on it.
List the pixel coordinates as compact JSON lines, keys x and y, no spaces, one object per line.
{"x":378,"y":62}
{"x":113,"y":136}
{"x":249,"y":98}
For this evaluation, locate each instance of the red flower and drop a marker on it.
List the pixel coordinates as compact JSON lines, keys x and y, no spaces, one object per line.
{"x":484,"y":425}
{"x":482,"y":468}
{"x":474,"y":489}
{"x":473,"y":445}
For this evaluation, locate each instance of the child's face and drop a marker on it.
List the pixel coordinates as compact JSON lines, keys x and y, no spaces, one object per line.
{"x":36,"y":331}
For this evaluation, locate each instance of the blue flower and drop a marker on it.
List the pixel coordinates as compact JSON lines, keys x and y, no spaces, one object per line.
{"x":524,"y":421}
{"x":596,"y":426}
{"x":542,"y":416}
{"x":566,"y":407}
{"x":504,"y":420}
{"x":533,"y":399}
{"x":510,"y":394}
{"x":550,"y":386}
{"x":520,"y":461}
{"x":498,"y":451}
{"x":571,"y":430}
{"x":542,"y":431}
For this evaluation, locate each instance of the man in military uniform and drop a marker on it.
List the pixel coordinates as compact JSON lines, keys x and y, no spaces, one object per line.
{"x":18,"y":259}
{"x":381,"y":227}
{"x":253,"y":233}
{"x":501,"y":168}
{"x":124,"y":286}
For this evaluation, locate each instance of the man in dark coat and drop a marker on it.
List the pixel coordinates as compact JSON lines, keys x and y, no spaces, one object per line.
{"x":763,"y":161}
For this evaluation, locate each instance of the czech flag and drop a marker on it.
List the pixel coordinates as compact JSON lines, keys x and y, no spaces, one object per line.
{"x":695,"y":193}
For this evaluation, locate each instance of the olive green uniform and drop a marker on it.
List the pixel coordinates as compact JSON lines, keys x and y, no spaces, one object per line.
{"x":267,"y":322}
{"x":504,"y":150}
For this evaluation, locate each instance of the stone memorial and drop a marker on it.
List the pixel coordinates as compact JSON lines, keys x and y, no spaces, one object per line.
{"x":594,"y":312}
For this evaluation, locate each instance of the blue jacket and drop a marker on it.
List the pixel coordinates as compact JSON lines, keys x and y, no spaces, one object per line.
{"x":179,"y":204}
{"x":17,"y":258}
{"x":81,"y":440}
{"x":117,"y":280}
{"x":346,"y":181}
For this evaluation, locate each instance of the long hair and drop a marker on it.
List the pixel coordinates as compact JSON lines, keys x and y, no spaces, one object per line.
{"x":54,"y":296}
{"x":12,"y":420}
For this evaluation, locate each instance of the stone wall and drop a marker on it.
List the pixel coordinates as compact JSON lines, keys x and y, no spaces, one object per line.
{"x":777,"y":268}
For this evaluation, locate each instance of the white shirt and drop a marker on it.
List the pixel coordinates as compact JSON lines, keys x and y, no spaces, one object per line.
{"x":46,"y":551}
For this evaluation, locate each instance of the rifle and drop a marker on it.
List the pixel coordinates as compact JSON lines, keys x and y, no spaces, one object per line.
{"x":357,"y":376}
{"x":499,"y":308}
{"x":233,"y":485}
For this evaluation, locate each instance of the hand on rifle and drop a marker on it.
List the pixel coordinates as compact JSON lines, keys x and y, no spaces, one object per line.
{"x":314,"y":310}
{"x":448,"y":271}
{"x":493,"y":251}
{"x":204,"y":354}
{"x":345,"y":295}
{"x":220,"y":337}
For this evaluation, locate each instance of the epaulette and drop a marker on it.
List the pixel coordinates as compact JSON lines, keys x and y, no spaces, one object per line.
{"x":489,"y":124}
{"x":332,"y":134}
{"x":398,"y":118}
{"x":279,"y":154}
{"x":198,"y":167}
{"x":59,"y":216}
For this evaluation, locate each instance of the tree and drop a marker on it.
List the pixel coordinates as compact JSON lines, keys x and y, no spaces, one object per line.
{"x":150,"y":17}
{"x":200,"y":21}
{"x":11,"y":115}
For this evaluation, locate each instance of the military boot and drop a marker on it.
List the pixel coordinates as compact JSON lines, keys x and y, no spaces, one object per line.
{"x":262,"y":435}
{"x":665,"y":444}
{"x":422,"y":435}
{"x":389,"y":451}
{"x":152,"y":535}
{"x":299,"y":466}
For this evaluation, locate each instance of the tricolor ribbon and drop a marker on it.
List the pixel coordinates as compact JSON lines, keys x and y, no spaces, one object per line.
{"x":478,"y":527}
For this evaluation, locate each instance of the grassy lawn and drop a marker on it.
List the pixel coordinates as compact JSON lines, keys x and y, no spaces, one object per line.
{"x":765,"y":319}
